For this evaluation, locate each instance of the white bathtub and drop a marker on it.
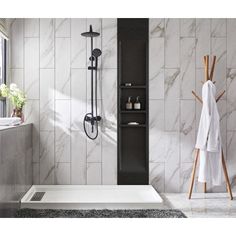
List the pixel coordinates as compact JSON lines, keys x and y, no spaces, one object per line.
{"x":93,"y":197}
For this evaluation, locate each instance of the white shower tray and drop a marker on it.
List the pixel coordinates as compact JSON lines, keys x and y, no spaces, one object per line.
{"x":93,"y":197}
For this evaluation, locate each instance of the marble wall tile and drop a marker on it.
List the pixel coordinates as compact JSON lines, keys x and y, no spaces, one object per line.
{"x":78,"y":158}
{"x":62,"y":131}
{"x":231,"y":43}
{"x":185,"y":177}
{"x":31,"y":27}
{"x":36,"y":176}
{"x":187,"y":130}
{"x":62,"y":68}
{"x":187,"y":27}
{"x":172,"y":163}
{"x":109,"y":100}
{"x":94,"y":149}
{"x":17,"y":43}
{"x":62,"y":173}
{"x":17,"y":77}
{"x":203,"y":42}
{"x":97,"y":42}
{"x":31,"y":113}
{"x":187,"y":67}
{"x":94,"y":173}
{"x":172,"y":84}
{"x":230,"y":156}
{"x":47,"y":166}
{"x":109,"y":43}
{"x":172,"y":115}
{"x":31,"y":68}
{"x":109,"y":157}
{"x":156,"y":176}
{"x":218,"y":27}
{"x":172,"y":36}
{"x":172,"y":178}
{"x":156,"y":27}
{"x":218,"y":48}
{"x":78,"y":98}
{"x":156,"y":65}
{"x":78,"y":43}
{"x":222,"y":108}
{"x":231,"y":99}
{"x":62,"y":27}
{"x":156,"y":131}
{"x":47,"y":99}
{"x":47,"y":44}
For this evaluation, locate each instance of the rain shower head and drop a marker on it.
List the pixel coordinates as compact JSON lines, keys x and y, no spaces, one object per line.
{"x":90,"y":34}
{"x":96,"y":52}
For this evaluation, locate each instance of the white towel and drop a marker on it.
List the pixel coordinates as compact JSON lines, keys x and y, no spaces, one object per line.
{"x":208,"y":138}
{"x":10,"y":121}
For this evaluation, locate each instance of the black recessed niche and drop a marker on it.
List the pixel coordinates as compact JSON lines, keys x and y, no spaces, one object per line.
{"x":133,"y":144}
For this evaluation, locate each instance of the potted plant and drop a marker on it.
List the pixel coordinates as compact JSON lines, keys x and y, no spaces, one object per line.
{"x":17,"y":99}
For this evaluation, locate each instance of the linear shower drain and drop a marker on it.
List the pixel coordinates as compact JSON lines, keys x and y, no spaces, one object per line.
{"x":37,"y":196}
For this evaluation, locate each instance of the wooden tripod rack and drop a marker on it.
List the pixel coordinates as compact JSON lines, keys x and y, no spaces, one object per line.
{"x":209,"y":77}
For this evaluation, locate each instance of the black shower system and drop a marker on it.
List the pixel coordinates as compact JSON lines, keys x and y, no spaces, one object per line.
{"x":91,"y":119}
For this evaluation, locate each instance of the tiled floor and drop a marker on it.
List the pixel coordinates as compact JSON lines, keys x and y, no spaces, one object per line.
{"x":202,"y":205}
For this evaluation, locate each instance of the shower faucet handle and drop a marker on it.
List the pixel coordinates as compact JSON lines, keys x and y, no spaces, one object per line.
{"x":92,"y":68}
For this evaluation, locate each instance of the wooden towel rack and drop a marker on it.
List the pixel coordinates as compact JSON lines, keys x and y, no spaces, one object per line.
{"x":209,"y":77}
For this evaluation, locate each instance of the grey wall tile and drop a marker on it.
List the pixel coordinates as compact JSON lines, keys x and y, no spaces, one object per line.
{"x":17,"y":43}
{"x":78,"y":43}
{"x":47,"y":106}
{"x":203,"y":43}
{"x":47,"y":166}
{"x":31,"y":27}
{"x":187,"y":67}
{"x":62,"y":27}
{"x":78,"y":158}
{"x":31,"y":67}
{"x":109,"y":43}
{"x":62,"y":68}
{"x":47,"y":44}
{"x":231,"y":43}
{"x":156,"y":27}
{"x":94,"y":173}
{"x":188,"y":27}
{"x":218,"y":27}
{"x":172,"y":36}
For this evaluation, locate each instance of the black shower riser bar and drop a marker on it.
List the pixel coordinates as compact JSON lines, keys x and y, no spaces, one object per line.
{"x":90,"y":117}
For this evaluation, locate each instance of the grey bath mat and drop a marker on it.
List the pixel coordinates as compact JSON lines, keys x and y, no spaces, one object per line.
{"x":51,"y":213}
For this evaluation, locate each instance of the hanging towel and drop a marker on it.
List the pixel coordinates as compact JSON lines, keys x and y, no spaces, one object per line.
{"x":10,"y":121}
{"x":208,"y":137}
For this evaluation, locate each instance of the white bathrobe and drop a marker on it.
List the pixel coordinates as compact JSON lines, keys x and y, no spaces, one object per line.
{"x":208,"y":137}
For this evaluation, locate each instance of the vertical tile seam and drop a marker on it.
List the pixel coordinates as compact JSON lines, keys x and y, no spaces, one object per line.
{"x":54,"y":95}
{"x":70,"y":175}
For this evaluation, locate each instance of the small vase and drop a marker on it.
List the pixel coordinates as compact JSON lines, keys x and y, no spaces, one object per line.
{"x":18,"y":113}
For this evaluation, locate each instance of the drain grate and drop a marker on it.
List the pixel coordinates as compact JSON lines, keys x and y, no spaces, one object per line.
{"x":37,"y":196}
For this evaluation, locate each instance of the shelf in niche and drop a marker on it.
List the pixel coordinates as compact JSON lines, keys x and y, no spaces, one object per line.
{"x":133,"y":111}
{"x":133,"y":87}
{"x":133,"y":126}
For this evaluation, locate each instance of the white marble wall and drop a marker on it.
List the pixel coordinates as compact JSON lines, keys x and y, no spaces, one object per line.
{"x":49,"y":60}
{"x":177,"y":47}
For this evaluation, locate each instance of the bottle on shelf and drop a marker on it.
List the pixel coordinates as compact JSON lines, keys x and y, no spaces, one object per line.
{"x":137,"y":104}
{"x":129,"y":105}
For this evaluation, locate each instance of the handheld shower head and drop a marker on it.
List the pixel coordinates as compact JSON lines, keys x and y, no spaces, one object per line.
{"x":96,"y":52}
